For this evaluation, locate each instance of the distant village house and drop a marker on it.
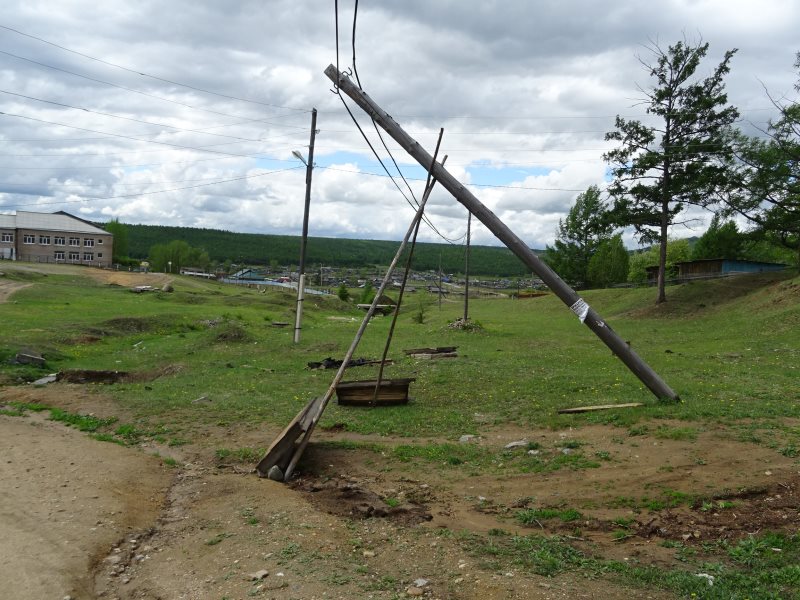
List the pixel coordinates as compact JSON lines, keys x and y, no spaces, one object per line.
{"x":716,"y":267}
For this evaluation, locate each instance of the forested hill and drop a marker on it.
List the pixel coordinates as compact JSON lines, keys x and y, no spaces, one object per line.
{"x":263,"y":249}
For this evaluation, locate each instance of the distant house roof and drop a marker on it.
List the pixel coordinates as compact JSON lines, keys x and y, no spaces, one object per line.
{"x":58,"y":221}
{"x":733,"y":264}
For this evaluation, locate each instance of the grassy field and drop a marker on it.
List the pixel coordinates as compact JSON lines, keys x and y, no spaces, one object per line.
{"x":729,"y":347}
{"x":209,"y":355}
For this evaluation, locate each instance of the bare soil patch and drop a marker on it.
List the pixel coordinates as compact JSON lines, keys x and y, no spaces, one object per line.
{"x":65,"y":498}
{"x":358,"y":522}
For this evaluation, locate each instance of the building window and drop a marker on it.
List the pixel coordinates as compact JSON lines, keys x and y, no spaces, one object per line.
{"x":28,"y":239}
{"x":88,"y":256}
{"x":74,"y":255}
{"x":100,"y":241}
{"x":59,"y":255}
{"x":88,"y":242}
{"x":99,"y":255}
{"x":44,"y":240}
{"x":74,"y":241}
{"x":58,"y":241}
{"x":8,"y":237}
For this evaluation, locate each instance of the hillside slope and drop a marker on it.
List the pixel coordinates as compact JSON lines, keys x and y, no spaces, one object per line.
{"x":254,"y":248}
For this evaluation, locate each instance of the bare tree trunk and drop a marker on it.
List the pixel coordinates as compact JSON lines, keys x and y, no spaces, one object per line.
{"x":662,"y":255}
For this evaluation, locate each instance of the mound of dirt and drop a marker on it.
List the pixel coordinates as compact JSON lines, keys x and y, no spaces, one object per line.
{"x":351,"y":498}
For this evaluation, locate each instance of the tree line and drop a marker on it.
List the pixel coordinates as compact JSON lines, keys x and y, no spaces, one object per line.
{"x":207,"y":248}
{"x":692,"y":157}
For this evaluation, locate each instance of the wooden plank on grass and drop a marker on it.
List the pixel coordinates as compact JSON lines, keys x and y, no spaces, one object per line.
{"x":583,"y":409}
{"x":424,"y":356}
{"x":439,"y":350}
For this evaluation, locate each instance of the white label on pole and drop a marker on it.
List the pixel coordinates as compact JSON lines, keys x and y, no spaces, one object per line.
{"x":581,"y":309}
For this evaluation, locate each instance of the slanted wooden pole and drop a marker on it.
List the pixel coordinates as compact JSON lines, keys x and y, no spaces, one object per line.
{"x":319,"y":408}
{"x":587,"y":315}
{"x":426,"y":194}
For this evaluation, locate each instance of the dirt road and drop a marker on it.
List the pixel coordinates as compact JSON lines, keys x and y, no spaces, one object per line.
{"x":64,"y":500}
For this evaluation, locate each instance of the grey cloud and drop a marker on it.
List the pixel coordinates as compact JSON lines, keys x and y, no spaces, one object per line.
{"x":553,"y":74}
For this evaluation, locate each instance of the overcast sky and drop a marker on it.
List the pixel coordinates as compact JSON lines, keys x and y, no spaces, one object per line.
{"x":203,"y":102}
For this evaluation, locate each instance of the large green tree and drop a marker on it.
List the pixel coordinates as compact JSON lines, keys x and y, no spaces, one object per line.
{"x":684,"y":159}
{"x":609,"y":265}
{"x":721,"y":240}
{"x":175,"y":255}
{"x":770,"y":178}
{"x":120,"y":246}
{"x":579,"y":235}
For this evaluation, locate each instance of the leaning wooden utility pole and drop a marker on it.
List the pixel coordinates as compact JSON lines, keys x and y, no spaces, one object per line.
{"x":301,"y":279}
{"x":568,"y":296}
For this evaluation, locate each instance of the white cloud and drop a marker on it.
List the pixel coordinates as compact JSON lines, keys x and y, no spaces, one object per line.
{"x":524,"y":92}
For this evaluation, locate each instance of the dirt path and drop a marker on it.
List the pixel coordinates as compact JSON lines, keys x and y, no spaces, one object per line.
{"x":107,"y":276}
{"x":64,"y":499}
{"x":9,"y":287}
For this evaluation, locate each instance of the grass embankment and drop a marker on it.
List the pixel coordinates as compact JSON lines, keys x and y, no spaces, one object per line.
{"x":208,"y":355}
{"x":728,"y":347}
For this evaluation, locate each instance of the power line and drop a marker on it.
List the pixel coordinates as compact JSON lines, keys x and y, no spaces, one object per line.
{"x":489,"y":185}
{"x":424,"y":217}
{"x":135,"y":91}
{"x":139,"y":166}
{"x":189,"y":187}
{"x":127,"y":137}
{"x":83,"y":154}
{"x":114,"y":116}
{"x":155,"y":77}
{"x":328,"y":168}
{"x":548,"y":117}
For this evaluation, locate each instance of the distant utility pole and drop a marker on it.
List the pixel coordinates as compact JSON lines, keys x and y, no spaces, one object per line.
{"x":301,"y":281}
{"x":440,"y":280}
{"x":587,"y":315}
{"x":466,"y":271}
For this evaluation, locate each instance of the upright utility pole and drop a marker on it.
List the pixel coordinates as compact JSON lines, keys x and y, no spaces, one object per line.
{"x":466,"y":271}
{"x":440,"y":280}
{"x":587,"y":315}
{"x":301,"y":280}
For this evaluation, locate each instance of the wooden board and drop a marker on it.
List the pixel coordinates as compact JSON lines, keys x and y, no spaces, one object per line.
{"x":281,"y":450}
{"x":361,"y":393}
{"x":439,"y":350}
{"x":434,"y":356}
{"x":582,"y":409}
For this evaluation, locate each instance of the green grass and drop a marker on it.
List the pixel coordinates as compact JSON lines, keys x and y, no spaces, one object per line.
{"x":208,"y":356}
{"x":80,"y":422}
{"x":533,"y":515}
{"x":533,"y":357}
{"x":217,"y":539}
{"x":20,"y":409}
{"x":244,"y":455}
{"x":764,"y":566}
